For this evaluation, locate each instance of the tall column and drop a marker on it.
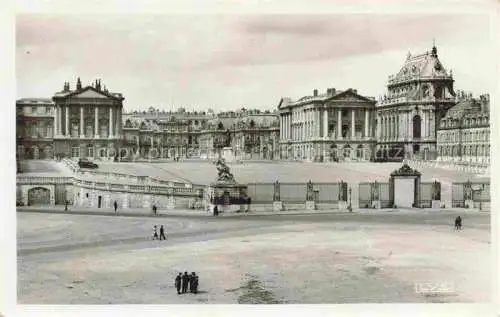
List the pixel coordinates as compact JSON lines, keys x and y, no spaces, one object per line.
{"x":353,"y":126}
{"x":325,"y":123}
{"x":110,"y":122}
{"x":82,"y":123}
{"x":339,"y":123}
{"x":422,"y":125}
{"x":56,"y":120}
{"x":96,"y":122}
{"x":287,"y":126}
{"x":378,"y":127}
{"x":410,"y":125}
{"x":67,"y":132}
{"x":318,"y":123}
{"x":367,"y":118}
{"x":281,"y":127}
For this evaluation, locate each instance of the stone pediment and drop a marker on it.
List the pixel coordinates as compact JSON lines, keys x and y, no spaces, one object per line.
{"x":349,"y":96}
{"x":90,"y":93}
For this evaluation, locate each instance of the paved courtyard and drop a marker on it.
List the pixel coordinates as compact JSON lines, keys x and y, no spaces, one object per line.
{"x":251,"y":172}
{"x":328,"y":258}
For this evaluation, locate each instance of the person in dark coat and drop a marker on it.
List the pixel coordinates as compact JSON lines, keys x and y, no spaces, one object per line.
{"x":458,"y":223}
{"x":178,"y":280}
{"x":155,"y":233}
{"x":162,"y":233}
{"x":115,"y":204}
{"x":66,"y":205}
{"x":185,"y":282}
{"x":216,"y":211}
{"x":193,"y":285}
{"x":154,"y":210}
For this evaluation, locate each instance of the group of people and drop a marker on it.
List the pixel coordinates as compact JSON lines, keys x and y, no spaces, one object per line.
{"x":183,"y":282}
{"x":162,"y":233}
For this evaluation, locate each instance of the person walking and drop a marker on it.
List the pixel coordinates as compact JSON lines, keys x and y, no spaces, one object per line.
{"x":178,"y":280}
{"x":65,"y":205}
{"x":162,"y":233}
{"x":154,"y":210}
{"x":115,"y":204}
{"x":216,"y":211}
{"x":155,"y":233}
{"x":185,"y":282}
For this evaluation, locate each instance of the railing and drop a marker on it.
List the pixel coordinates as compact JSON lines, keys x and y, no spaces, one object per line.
{"x":196,"y":191}
{"x":24,"y":180}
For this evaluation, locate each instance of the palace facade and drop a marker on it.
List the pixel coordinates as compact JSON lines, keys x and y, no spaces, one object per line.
{"x":336,"y":125}
{"x":35,"y":128}
{"x":464,"y":132}
{"x":420,"y":113}
{"x":418,"y":96}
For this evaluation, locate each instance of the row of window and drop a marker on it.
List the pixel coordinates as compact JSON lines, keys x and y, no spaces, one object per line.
{"x":467,"y":150}
{"x":448,"y":123}
{"x":467,"y":136}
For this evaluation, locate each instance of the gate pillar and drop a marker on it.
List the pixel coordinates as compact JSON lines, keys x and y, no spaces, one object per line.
{"x":404,"y":187}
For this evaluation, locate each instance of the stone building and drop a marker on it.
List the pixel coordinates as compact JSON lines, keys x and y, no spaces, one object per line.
{"x":87,"y":121}
{"x":464,"y":132}
{"x":337,"y":125}
{"x":418,"y":96}
{"x":34,"y":128}
{"x":173,"y":134}
{"x":253,"y":134}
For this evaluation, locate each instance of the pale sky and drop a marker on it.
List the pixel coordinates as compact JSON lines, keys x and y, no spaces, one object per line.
{"x":228,"y":61}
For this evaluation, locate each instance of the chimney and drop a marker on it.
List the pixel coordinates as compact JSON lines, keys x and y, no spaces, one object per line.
{"x":333,"y":91}
{"x":315,"y":92}
{"x":78,"y":84}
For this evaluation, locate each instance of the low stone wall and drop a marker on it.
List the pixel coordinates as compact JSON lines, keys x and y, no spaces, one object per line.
{"x":92,"y":198}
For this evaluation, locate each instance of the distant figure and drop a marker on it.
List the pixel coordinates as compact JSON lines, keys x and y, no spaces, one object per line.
{"x":458,"y":223}
{"x":154,"y":209}
{"x":185,"y":282}
{"x":66,"y":205}
{"x":162,"y":233}
{"x":155,"y":233}
{"x":193,"y":285}
{"x":115,"y":204}
{"x":178,"y":280}
{"x":216,"y":211}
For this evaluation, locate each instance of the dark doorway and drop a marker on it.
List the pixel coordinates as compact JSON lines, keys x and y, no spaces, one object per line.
{"x":416,"y":148}
{"x":99,"y":200}
{"x":345,"y":129}
{"x":417,"y":127}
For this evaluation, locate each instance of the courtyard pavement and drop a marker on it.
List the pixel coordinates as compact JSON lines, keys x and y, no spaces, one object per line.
{"x":318,"y":258}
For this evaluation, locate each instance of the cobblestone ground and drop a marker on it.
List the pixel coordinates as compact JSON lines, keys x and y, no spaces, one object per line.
{"x":346,"y":258}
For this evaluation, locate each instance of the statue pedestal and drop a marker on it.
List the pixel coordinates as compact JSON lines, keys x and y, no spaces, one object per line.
{"x":469,"y":204}
{"x":310,"y":205}
{"x":277,"y":206}
{"x":436,"y":204}
{"x":228,"y":154}
{"x":376,"y":204}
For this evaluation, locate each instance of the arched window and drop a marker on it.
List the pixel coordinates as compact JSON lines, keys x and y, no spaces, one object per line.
{"x":417,"y":127}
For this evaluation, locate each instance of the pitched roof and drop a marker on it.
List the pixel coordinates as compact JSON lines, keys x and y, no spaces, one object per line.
{"x":422,"y":65}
